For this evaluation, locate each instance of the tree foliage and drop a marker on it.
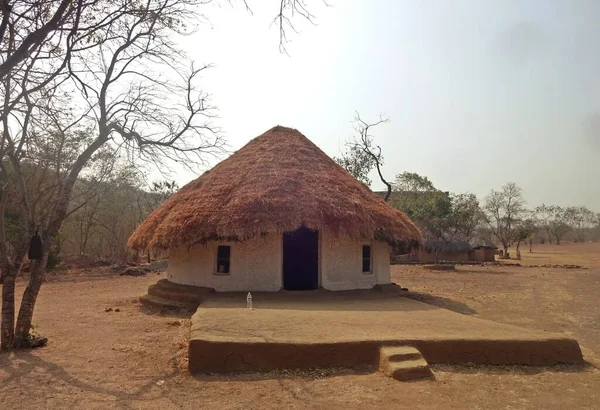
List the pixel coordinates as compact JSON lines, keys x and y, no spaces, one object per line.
{"x":443,"y":217}
{"x":358,"y":163}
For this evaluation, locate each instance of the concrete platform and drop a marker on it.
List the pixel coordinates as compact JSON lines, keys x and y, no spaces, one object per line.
{"x":347,"y":329}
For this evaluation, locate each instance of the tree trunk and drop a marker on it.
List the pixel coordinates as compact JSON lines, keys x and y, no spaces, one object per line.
{"x":505,"y":252}
{"x":28,"y":302}
{"x":530,"y":246}
{"x":7,"y":277}
{"x":7,"y":274}
{"x":37,"y":271}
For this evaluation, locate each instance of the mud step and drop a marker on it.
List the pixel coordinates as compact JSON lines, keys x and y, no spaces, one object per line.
{"x":154,"y":301}
{"x":165,"y":283}
{"x":403,"y":363}
{"x":174,"y":295}
{"x":398,"y":353}
{"x":408,"y":370}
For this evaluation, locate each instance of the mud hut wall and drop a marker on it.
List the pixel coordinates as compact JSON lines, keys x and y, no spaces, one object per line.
{"x":255,"y":265}
{"x":341,"y":263}
{"x":424,"y":256}
{"x":482,"y":255}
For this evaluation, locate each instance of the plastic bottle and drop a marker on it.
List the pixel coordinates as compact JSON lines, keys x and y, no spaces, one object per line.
{"x":249,"y":301}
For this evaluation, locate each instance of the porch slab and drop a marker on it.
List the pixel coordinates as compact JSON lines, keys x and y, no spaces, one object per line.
{"x":347,"y":329}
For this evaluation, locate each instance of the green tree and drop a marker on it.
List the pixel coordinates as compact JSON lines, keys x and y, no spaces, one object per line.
{"x":413,"y":183}
{"x":358,"y":163}
{"x":466,"y":214}
{"x":525,"y":232}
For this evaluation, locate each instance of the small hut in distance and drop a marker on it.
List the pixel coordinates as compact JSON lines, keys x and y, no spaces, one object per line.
{"x":436,"y":250}
{"x":454,"y":250}
{"x":277,"y":214}
{"x":483,"y":250}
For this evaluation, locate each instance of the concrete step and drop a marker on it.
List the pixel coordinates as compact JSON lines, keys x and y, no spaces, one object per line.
{"x":397,"y":353}
{"x":154,"y":301}
{"x":408,"y":370}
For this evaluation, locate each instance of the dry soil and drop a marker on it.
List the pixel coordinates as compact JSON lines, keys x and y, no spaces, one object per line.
{"x":136,"y":358}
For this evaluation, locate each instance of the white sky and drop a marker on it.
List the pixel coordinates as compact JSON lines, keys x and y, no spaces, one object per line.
{"x":478,"y":92}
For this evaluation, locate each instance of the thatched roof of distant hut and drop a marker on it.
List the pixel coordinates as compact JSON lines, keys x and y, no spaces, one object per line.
{"x":276,"y":183}
{"x":482,"y":243}
{"x":447,"y":246}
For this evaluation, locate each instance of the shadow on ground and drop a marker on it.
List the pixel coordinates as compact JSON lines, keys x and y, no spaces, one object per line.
{"x":312,"y":373}
{"x":514,"y":369}
{"x":442,"y":302}
{"x":23,"y":368}
{"x":174,"y":313}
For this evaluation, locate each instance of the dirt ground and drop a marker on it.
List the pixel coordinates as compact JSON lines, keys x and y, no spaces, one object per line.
{"x":136,"y":358}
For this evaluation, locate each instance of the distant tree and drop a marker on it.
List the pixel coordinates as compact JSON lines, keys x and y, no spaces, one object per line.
{"x":556,"y":221}
{"x":596,"y":227}
{"x":545,"y":215}
{"x":466,"y":214}
{"x":580,"y":219}
{"x":525,"y":231}
{"x":413,"y":183}
{"x":358,"y":163}
{"x":418,"y":198}
{"x":362,"y":154}
{"x":504,"y":209}
{"x":559,"y":224}
{"x":430,"y":208}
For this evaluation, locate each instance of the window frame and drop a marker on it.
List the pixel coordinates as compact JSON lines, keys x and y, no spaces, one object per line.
{"x":216,"y":269}
{"x":362,"y":259}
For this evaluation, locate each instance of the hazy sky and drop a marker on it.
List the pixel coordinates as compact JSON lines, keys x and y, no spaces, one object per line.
{"x":478,"y":92}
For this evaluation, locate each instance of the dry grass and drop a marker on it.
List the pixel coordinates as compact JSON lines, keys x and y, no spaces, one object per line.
{"x":276,"y":183}
{"x":133,"y":359}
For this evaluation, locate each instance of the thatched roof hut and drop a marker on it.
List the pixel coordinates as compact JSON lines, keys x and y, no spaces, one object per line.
{"x":278,"y":183}
{"x":480,"y":242}
{"x":454,"y":245}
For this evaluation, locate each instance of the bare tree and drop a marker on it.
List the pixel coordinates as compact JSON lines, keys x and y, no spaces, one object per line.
{"x":545,"y":215}
{"x":127,"y":107}
{"x":100,"y":76}
{"x":503,"y":210}
{"x":525,"y":230}
{"x":580,"y":219}
{"x":362,"y":154}
{"x":288,"y":9}
{"x":26,"y":26}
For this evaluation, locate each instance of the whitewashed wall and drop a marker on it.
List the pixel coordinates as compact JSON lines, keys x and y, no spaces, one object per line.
{"x":341,"y":264}
{"x":256,"y":265}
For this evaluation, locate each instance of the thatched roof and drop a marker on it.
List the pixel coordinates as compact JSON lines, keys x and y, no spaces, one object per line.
{"x":447,"y":246}
{"x":276,"y":183}
{"x":480,"y":242}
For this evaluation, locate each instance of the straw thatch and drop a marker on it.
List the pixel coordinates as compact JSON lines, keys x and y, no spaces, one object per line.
{"x":447,"y":246}
{"x":276,"y":183}
{"x":482,"y":243}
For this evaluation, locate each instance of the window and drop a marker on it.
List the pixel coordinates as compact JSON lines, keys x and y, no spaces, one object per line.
{"x":366,"y":259}
{"x":223,"y":260}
